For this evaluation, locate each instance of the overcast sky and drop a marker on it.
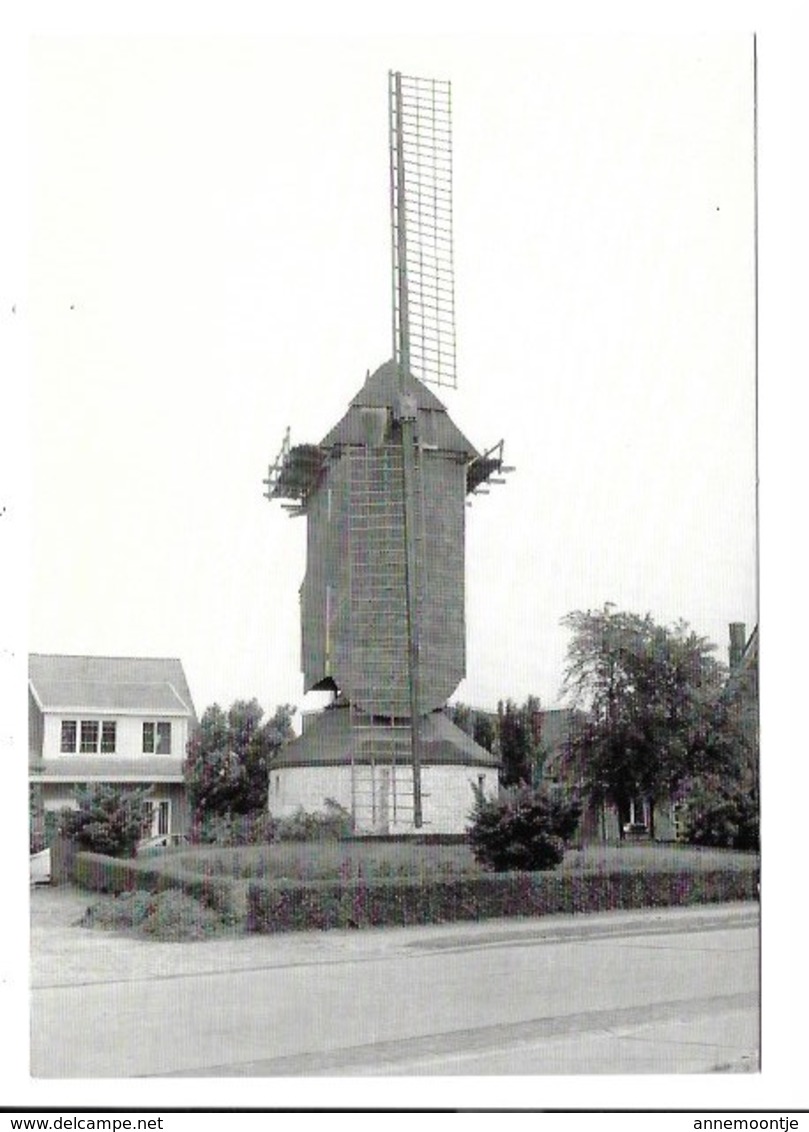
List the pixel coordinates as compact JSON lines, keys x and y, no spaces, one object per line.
{"x":210,"y":263}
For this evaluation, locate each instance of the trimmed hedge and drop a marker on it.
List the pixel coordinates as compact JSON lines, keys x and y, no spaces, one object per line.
{"x":283,"y":906}
{"x":266,"y":906}
{"x":114,"y":875}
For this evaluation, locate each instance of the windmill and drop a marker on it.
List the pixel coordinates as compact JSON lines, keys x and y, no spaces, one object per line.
{"x":384,"y":493}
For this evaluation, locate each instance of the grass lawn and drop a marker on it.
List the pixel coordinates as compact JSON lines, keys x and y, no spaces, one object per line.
{"x":350,"y":860}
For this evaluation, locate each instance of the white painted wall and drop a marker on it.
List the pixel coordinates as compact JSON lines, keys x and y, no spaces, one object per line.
{"x":447,"y":795}
{"x":293,"y":788}
{"x":449,"y":798}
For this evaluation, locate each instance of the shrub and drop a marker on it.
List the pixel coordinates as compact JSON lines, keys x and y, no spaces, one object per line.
{"x":230,"y":830}
{"x":115,"y":876}
{"x":108,"y":820}
{"x":332,"y":823}
{"x":524,"y":830}
{"x":722,"y":815}
{"x":167,"y":914}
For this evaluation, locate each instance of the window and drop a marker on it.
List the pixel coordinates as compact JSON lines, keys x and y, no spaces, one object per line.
{"x":89,"y":736}
{"x":157,"y":738}
{"x":94,"y":736}
{"x":69,"y":731}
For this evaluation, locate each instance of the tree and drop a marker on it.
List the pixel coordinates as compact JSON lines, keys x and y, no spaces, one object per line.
{"x":650,"y":694}
{"x":484,"y":731}
{"x":227,"y":759}
{"x":479,"y":724}
{"x":519,"y":732}
{"x":515,"y":732}
{"x":108,"y":819}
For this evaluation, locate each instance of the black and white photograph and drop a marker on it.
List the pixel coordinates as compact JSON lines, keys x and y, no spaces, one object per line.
{"x":392,"y":576}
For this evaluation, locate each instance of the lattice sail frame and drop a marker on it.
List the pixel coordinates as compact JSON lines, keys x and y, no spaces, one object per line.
{"x":421,"y":228}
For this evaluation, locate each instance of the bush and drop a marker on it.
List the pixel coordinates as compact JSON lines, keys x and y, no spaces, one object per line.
{"x":722,"y":816}
{"x":108,"y":820}
{"x":230,"y":830}
{"x":524,"y":830}
{"x":115,"y":876}
{"x":332,"y":823}
{"x":168,"y":914}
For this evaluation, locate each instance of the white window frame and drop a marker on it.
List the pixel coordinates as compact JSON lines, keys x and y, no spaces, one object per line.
{"x":81,"y":745}
{"x":155,"y":725}
{"x":75,"y":747}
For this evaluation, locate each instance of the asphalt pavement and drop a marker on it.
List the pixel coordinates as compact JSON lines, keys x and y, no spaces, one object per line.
{"x":653,"y":991}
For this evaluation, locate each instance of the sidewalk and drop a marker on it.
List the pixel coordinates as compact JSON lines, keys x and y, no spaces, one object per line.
{"x":65,"y":954}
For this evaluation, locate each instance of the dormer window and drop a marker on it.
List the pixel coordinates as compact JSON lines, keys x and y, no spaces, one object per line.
{"x":89,"y":736}
{"x":94,"y":736}
{"x":157,"y":738}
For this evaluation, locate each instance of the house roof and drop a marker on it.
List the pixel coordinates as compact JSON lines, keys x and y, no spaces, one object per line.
{"x":97,"y":768}
{"x":330,"y":739}
{"x":126,"y":685}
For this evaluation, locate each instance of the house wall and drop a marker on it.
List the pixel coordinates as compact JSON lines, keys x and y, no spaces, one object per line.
{"x":62,"y":795}
{"x":128,"y":739}
{"x":447,"y":795}
{"x":36,"y":729}
{"x":601,"y":825}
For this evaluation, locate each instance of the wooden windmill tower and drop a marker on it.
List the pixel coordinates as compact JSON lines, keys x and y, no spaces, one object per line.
{"x":384,"y":493}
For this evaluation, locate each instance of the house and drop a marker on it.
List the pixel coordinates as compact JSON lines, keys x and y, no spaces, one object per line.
{"x":601,"y":821}
{"x":115,"y":720}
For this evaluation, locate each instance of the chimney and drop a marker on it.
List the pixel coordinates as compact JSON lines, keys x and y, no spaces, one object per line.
{"x":738,"y":639}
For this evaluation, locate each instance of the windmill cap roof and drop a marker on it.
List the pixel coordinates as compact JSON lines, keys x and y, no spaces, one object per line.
{"x":383,"y":387}
{"x":382,"y":390}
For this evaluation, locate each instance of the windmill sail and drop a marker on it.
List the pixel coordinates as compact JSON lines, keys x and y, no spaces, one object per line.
{"x":421,"y":228}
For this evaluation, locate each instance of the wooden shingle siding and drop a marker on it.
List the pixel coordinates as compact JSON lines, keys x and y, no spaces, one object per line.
{"x":355,"y":577}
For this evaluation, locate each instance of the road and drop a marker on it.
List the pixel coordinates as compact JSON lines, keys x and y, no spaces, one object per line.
{"x":660,"y":991}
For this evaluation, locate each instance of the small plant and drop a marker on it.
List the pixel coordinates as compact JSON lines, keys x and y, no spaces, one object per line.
{"x":525,"y":830}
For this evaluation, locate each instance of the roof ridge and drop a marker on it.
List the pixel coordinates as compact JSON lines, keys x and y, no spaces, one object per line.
{"x":96,"y":656}
{"x":117,"y":683}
